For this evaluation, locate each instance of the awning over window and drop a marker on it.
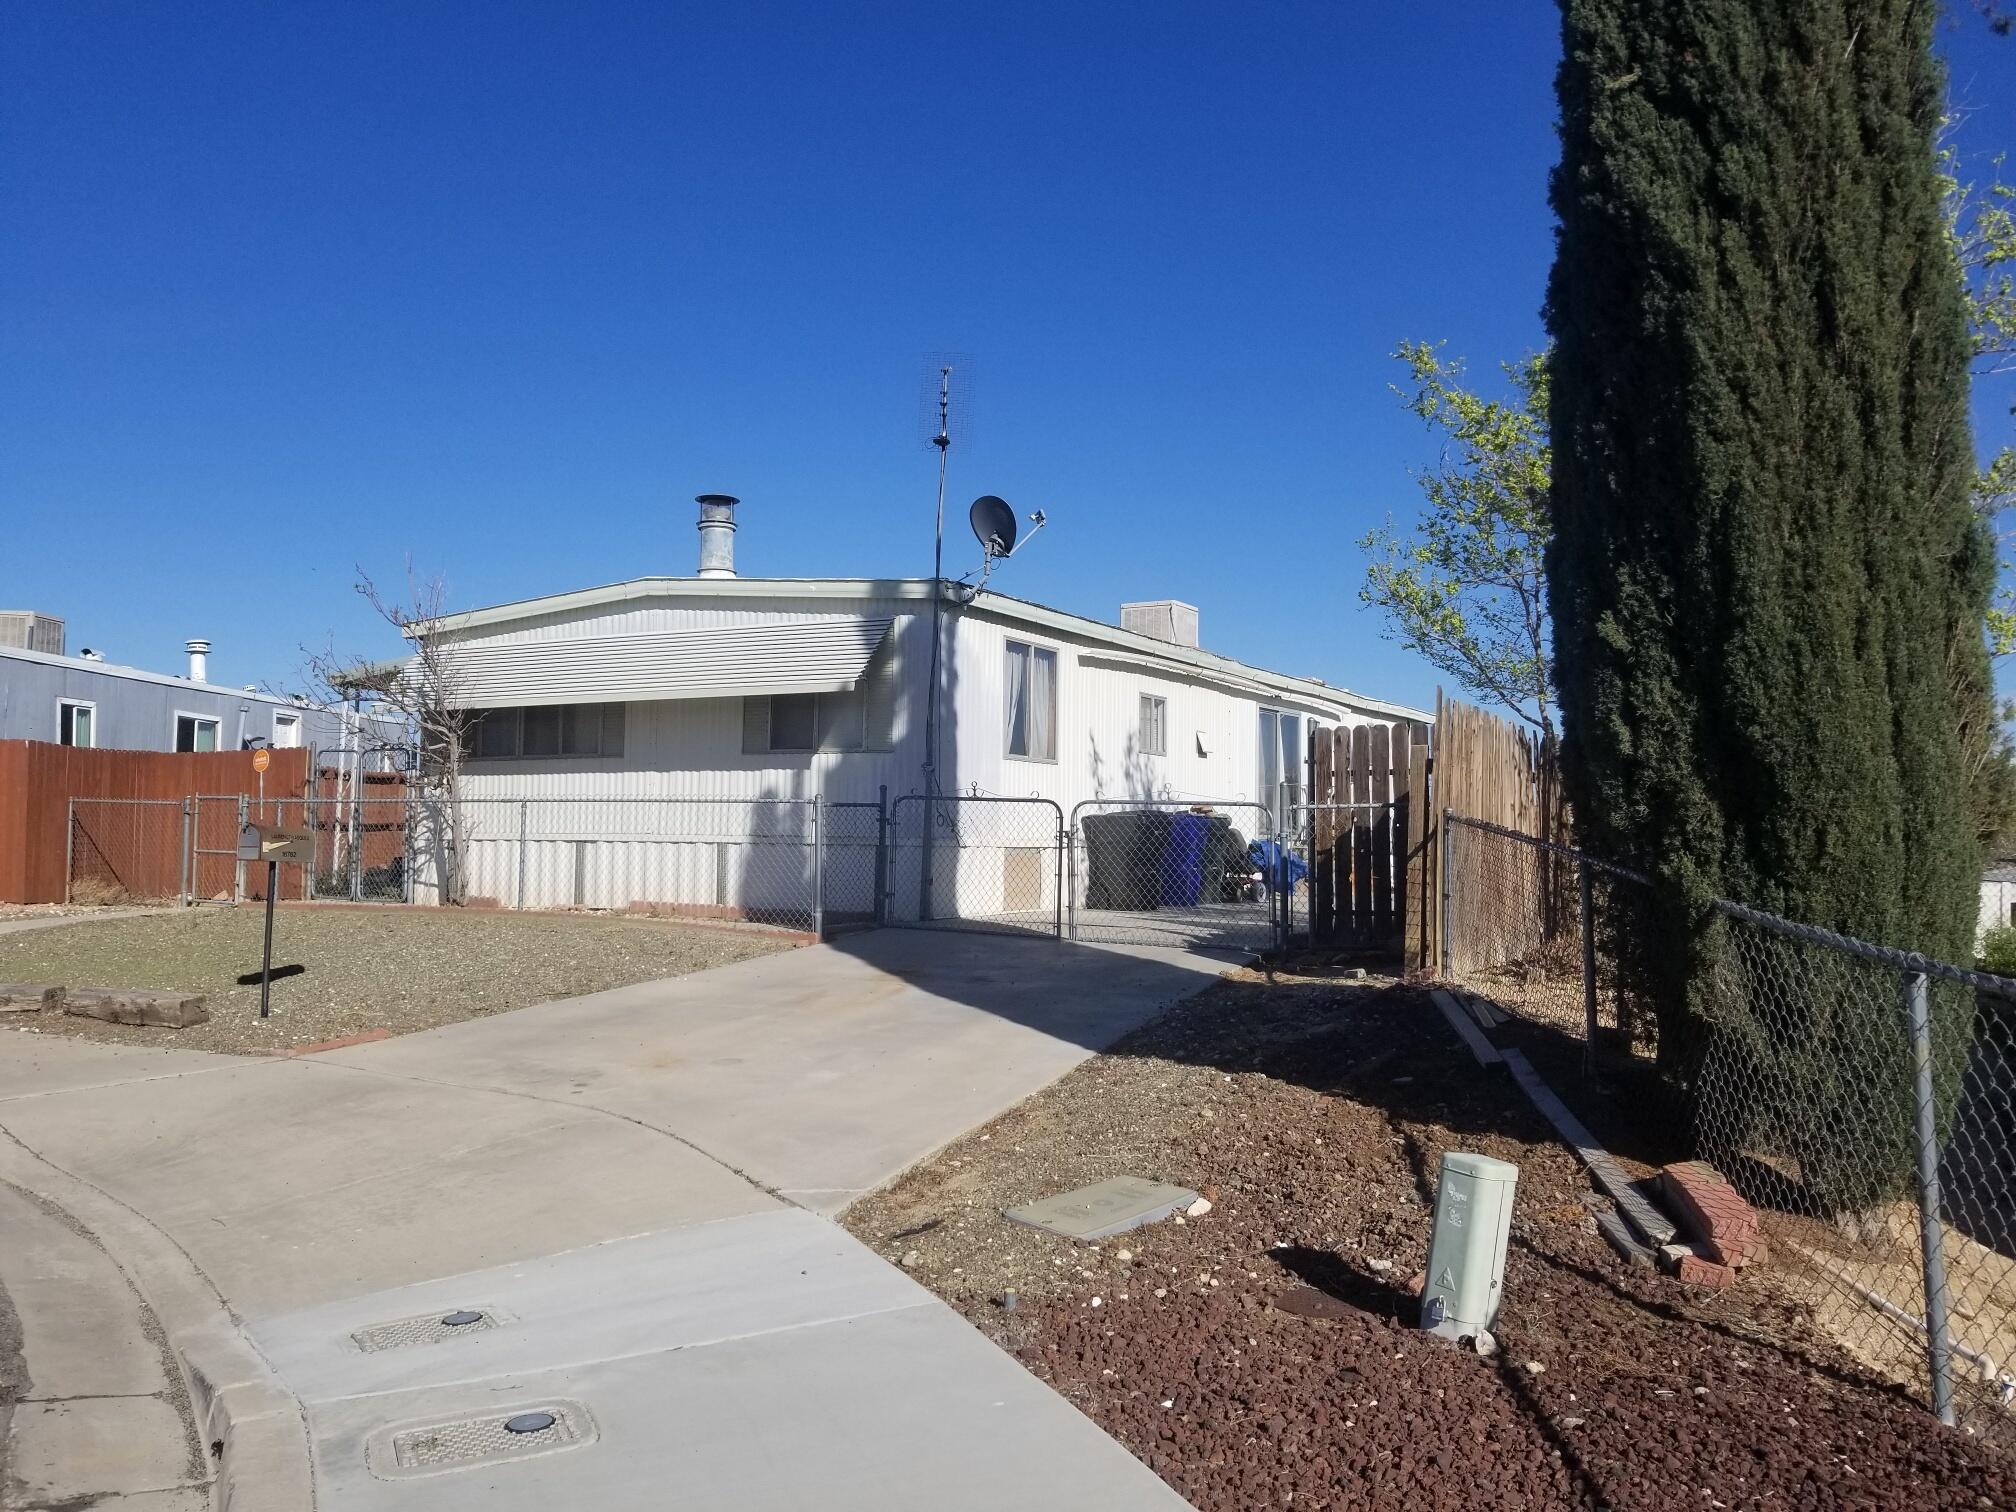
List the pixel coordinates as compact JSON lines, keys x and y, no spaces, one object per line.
{"x":802,"y":656}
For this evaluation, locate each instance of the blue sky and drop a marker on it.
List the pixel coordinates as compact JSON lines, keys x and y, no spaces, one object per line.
{"x":286,"y":289}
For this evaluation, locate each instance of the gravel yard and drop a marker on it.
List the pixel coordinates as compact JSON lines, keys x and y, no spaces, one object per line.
{"x":365,"y":969}
{"x":1263,"y":1354}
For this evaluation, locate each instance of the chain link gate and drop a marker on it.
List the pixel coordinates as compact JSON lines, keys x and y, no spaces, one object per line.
{"x":1188,"y":874}
{"x":995,"y":865}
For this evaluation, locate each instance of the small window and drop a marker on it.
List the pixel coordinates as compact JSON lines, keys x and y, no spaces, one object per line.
{"x":76,"y":723}
{"x":581,"y":730}
{"x":794,"y":721}
{"x":1031,"y":715}
{"x":286,"y":731}
{"x":542,"y":731}
{"x":195,"y":733}
{"x":496,"y":733}
{"x":547,"y":730}
{"x":1154,"y":725}
{"x":819,"y":721}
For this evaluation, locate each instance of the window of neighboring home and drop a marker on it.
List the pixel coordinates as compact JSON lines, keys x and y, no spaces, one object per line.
{"x":76,"y":722}
{"x":1032,"y":702}
{"x":546,"y":730}
{"x":1154,"y":725}
{"x":194,"y":732}
{"x":286,"y":731}
{"x":819,"y":721}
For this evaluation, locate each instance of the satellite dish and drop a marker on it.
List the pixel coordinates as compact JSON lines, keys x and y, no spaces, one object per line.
{"x":994,"y":524}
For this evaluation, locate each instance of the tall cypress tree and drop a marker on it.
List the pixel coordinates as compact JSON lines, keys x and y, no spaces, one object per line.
{"x":1767,"y":586}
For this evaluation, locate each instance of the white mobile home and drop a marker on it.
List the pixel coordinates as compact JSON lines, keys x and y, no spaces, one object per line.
{"x":716,"y":687}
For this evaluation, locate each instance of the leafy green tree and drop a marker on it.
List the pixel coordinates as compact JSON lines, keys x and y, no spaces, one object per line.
{"x":1981,"y":225}
{"x":1466,"y":591}
{"x":1767,"y":578}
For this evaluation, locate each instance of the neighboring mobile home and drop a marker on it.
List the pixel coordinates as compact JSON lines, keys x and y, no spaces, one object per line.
{"x":85,"y":700}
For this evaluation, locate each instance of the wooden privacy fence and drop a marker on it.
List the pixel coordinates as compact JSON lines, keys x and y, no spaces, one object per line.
{"x":1520,"y":897}
{"x":39,"y":780}
{"x":1366,"y":783}
{"x":1374,"y":821}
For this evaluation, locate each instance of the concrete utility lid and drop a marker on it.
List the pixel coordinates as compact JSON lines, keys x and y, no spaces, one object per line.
{"x":1106,"y":1207}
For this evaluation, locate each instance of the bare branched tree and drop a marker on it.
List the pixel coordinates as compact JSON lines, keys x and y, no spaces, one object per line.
{"x":422,"y":691}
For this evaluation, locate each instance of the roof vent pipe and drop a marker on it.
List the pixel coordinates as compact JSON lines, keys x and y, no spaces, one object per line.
{"x":717,"y":534}
{"x":199,"y":661}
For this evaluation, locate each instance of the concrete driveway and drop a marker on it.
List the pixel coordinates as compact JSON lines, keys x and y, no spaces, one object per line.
{"x":628,"y":1187}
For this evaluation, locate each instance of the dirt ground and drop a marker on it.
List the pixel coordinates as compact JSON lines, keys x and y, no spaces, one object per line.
{"x":1264,"y":1354}
{"x":363,"y":969}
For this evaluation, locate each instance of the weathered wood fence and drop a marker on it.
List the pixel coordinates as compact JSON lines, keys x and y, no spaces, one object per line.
{"x":1374,"y":816}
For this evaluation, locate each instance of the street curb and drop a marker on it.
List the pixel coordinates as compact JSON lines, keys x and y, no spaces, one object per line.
{"x":237,"y":1399}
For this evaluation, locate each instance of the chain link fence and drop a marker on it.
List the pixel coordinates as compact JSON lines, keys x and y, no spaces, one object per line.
{"x":1862,"y":1099}
{"x":1183,"y":874}
{"x":1180,"y":873}
{"x":128,"y":851}
{"x":966,"y":861}
{"x":735,"y":860}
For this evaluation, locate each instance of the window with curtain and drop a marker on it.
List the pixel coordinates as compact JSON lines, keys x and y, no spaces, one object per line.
{"x":1032,"y":702}
{"x":1280,"y":754}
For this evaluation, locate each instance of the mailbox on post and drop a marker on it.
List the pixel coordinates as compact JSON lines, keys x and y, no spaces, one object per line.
{"x":272,"y":844}
{"x":269,"y":842}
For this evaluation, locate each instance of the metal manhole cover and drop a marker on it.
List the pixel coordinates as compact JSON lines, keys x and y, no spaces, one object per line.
{"x":467,"y":1442}
{"x":428,"y":1328}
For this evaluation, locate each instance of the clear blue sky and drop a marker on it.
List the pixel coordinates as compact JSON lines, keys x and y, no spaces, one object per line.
{"x":288,"y":288}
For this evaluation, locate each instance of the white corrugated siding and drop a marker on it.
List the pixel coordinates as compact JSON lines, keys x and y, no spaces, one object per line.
{"x":805,"y":656}
{"x":613,"y":844}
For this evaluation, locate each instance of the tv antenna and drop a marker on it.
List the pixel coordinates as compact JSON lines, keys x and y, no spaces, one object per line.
{"x":942,"y":439}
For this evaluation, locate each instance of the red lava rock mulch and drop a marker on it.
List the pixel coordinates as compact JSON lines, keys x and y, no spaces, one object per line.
{"x":1314,"y":1113}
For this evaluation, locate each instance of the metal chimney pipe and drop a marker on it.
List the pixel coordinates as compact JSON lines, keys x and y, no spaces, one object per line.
{"x":199,"y":661}
{"x":717,"y":534}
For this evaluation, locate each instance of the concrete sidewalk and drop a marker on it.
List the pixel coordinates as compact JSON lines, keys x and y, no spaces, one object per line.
{"x":625,"y":1185}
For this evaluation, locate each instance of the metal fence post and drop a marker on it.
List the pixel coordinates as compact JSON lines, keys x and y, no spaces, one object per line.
{"x":238,"y":872}
{"x":927,"y":864}
{"x":1931,"y":1225}
{"x":1588,"y":963}
{"x":70,"y":849}
{"x":1071,"y":892}
{"x":819,"y":867}
{"x":882,"y":854}
{"x":1063,"y":853}
{"x":524,"y":816}
{"x":1448,"y":893}
{"x":1282,"y":903}
{"x":189,"y":852}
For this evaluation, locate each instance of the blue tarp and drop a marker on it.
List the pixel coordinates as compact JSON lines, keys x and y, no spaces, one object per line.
{"x":1269,"y":857}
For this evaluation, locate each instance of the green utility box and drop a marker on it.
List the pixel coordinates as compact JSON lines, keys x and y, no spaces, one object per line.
{"x":1466,"y":1256}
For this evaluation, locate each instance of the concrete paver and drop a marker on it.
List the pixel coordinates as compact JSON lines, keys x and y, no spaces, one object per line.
{"x":64,"y":1452}
{"x":102,"y":1412}
{"x":602,"y":1174}
{"x":82,"y":1333}
{"x":824,"y":1072}
{"x":36,"y":1065}
{"x":288,"y":1183}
